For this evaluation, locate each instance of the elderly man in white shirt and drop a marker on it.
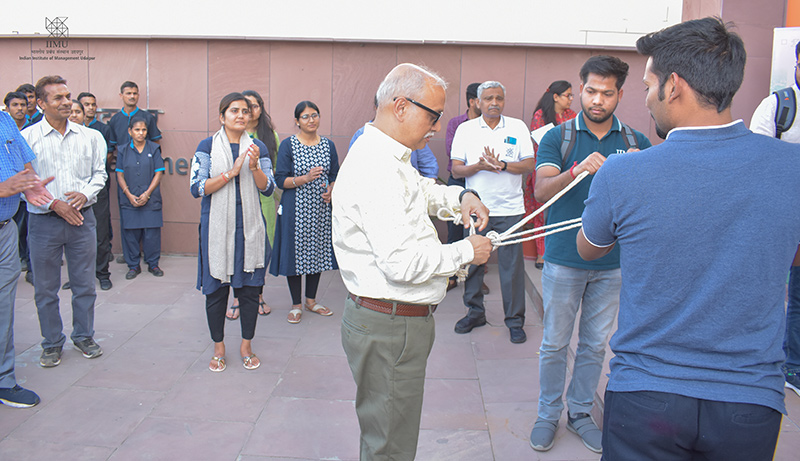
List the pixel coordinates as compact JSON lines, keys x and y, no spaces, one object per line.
{"x":392,"y":262}
{"x":494,"y":152}
{"x":75,"y":156}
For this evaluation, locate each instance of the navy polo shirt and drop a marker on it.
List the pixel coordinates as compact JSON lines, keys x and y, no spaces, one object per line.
{"x":119,"y":125}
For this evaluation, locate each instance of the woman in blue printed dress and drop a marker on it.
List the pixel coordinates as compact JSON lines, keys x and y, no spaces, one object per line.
{"x":306,"y":170}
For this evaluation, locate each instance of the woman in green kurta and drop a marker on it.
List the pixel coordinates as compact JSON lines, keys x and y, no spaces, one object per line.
{"x":260,"y":127}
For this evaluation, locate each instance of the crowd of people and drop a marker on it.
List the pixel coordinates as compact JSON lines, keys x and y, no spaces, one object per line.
{"x":699,"y":364}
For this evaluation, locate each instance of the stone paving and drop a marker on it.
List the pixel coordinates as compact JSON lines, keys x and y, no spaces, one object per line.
{"x":151,"y":396}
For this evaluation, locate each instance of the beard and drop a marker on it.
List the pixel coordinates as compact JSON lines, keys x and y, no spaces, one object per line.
{"x":597,"y":119}
{"x":661,"y":133}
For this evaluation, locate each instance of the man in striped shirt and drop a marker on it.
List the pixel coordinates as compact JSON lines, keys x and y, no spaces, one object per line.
{"x":75,"y":156}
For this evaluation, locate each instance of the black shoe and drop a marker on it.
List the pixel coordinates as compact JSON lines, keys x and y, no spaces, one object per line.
{"x":111,"y":257}
{"x":451,"y":283}
{"x":65,"y":286}
{"x":105,"y":284}
{"x":18,"y":397}
{"x":29,"y":277}
{"x":518,"y":335}
{"x":51,"y":356}
{"x":466,"y":324}
{"x":89,"y":348}
{"x":23,"y":265}
{"x":121,"y":259}
{"x":155,"y":271}
{"x":484,"y":289}
{"x":133,"y":273}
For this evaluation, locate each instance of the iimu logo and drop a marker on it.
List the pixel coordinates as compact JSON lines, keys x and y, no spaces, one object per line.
{"x":58,"y":29}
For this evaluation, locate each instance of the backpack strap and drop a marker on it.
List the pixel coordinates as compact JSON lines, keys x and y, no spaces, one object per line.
{"x":629,"y":136}
{"x":785,"y":112}
{"x":568,"y":135}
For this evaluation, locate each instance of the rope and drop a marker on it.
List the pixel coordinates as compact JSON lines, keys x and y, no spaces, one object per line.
{"x":510,"y":236}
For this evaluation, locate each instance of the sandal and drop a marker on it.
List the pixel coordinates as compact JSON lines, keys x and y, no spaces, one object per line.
{"x":319,"y":309}
{"x":294,"y":316}
{"x":220,"y":365}
{"x":251,"y":364}
{"x":234,"y":315}
{"x":263,"y":309}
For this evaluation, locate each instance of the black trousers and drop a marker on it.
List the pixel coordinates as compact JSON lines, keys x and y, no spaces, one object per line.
{"x":102,"y":212}
{"x":657,"y":425}
{"x":312,"y":282}
{"x":217,"y":305}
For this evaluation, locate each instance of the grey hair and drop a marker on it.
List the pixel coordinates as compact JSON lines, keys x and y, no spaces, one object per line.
{"x":406,"y":80}
{"x":490,"y":84}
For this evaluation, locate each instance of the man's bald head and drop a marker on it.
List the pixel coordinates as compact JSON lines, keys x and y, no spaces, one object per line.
{"x":410,"y":102}
{"x":408,"y":81}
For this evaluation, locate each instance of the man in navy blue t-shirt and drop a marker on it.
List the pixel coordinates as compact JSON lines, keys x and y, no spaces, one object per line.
{"x":707,"y":223}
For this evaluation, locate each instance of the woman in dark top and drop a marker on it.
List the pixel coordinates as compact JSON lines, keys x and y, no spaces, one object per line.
{"x":228,"y":171}
{"x":306,"y":170}
{"x":139,"y":171}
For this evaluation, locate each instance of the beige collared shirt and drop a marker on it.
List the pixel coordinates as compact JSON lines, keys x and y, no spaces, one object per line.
{"x":77,"y":159}
{"x":383,"y":237}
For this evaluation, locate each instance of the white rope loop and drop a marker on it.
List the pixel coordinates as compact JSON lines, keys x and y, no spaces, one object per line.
{"x":510,"y":236}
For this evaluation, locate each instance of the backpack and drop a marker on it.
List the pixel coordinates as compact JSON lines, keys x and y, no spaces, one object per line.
{"x":785,"y":112}
{"x":568,"y":132}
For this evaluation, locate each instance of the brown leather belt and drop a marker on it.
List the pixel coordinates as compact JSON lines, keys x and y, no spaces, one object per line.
{"x":404,"y":310}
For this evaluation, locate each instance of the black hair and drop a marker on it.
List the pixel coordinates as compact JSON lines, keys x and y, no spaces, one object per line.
{"x":265,"y":130}
{"x":86,"y":94}
{"x":15,"y":95}
{"x":75,"y":101}
{"x":26,"y":88}
{"x":136,"y":119}
{"x":301,"y":106}
{"x":605,"y":66}
{"x":128,"y":84}
{"x":797,"y":50}
{"x":229,"y":99}
{"x":47,"y":80}
{"x":472,"y":91}
{"x":704,"y":52}
{"x":546,"y":102}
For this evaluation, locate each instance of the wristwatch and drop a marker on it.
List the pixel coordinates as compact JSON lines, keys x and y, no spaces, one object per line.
{"x":227,"y":176}
{"x":505,"y":165}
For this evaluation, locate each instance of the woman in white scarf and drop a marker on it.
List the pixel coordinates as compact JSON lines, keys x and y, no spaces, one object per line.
{"x":234,"y":250}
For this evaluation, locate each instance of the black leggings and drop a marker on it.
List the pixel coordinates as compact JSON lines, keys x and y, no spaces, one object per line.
{"x":217,"y":305}
{"x":312,"y":282}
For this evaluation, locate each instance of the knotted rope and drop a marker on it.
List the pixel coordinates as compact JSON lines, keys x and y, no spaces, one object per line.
{"x":511,"y":236}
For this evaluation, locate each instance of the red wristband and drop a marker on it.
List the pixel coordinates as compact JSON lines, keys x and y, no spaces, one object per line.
{"x":572,"y":168}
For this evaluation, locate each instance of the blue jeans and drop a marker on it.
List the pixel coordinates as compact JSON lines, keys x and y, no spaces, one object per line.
{"x":791,"y":342}
{"x":564,"y":290}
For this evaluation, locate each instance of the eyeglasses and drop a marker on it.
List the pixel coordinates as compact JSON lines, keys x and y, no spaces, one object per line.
{"x":313,"y":116}
{"x":436,"y":115}
{"x":570,"y":96}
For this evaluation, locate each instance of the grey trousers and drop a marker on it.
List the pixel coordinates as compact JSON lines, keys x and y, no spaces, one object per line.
{"x":512,"y":277}
{"x":387,"y":356}
{"x":9,"y":274}
{"x":49,"y":237}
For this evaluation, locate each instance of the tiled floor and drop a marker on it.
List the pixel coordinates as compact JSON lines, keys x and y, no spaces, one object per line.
{"x":151,"y":396}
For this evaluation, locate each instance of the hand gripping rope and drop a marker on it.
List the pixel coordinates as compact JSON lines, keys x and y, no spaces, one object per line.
{"x":509,"y":237}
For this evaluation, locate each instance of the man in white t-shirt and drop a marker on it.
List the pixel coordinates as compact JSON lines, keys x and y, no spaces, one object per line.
{"x":493,"y":153}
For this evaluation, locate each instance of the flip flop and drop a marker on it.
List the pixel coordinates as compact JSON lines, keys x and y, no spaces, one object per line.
{"x":221,"y":365}
{"x":295,"y":315}
{"x":261,"y":307}
{"x":248,"y":362}
{"x":318,"y":308}
{"x":234,"y":309}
